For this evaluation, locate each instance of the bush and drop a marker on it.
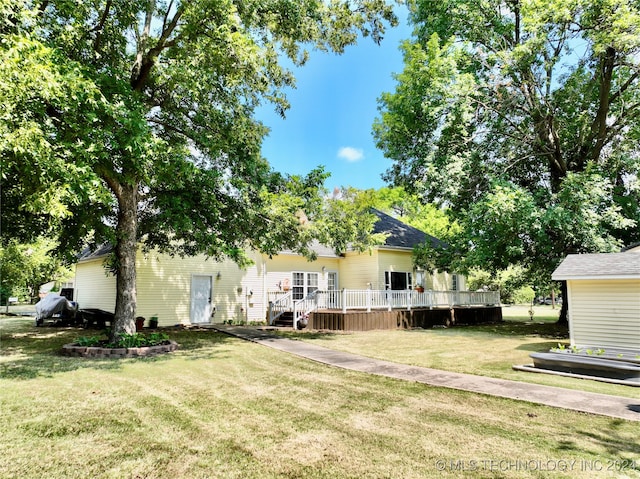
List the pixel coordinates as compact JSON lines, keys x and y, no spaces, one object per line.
{"x":135,"y":340}
{"x":523,"y":295}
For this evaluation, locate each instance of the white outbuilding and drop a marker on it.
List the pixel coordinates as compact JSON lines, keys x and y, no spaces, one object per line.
{"x":603,"y":299}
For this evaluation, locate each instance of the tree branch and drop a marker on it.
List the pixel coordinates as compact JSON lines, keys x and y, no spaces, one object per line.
{"x":599,"y":125}
{"x":145,"y":61}
{"x":624,"y":87}
{"x":99,"y":27}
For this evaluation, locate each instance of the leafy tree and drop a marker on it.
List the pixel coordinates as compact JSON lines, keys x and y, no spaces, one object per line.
{"x":25,"y":267}
{"x":409,"y":209}
{"x":522,"y":116}
{"x":133,"y":122}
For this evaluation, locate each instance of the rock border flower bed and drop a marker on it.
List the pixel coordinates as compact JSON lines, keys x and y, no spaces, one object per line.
{"x":100,"y":352}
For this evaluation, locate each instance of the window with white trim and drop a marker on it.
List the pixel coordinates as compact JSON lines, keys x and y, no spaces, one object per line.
{"x":303,"y":284}
{"x":397,"y":280}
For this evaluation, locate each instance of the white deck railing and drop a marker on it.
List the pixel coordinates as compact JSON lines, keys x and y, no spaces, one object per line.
{"x":279,"y":304}
{"x":369,"y":299}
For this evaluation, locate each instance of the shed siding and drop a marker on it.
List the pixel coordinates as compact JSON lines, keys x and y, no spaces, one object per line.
{"x":605,"y":313}
{"x":93,"y":287}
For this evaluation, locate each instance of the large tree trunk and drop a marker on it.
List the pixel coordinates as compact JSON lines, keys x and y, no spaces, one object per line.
{"x":563,"y":319}
{"x":126,"y":247}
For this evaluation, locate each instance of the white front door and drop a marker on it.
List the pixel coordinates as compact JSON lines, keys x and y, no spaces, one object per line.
{"x":201,"y":298}
{"x":332,"y":286}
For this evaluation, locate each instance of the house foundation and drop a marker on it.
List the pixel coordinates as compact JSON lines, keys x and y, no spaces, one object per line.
{"x":356,"y":320}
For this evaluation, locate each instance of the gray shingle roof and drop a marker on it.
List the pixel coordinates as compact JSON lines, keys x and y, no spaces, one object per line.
{"x":88,"y":253}
{"x":599,"y":265}
{"x":402,"y":235}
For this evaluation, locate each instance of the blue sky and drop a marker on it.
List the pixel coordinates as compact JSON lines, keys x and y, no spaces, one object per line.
{"x":332,"y":112}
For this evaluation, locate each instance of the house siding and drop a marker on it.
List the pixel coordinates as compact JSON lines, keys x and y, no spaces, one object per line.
{"x":394,"y":261}
{"x":604,"y":313}
{"x":164,"y":288}
{"x":443,"y":281}
{"x":279,"y":269}
{"x":94,"y":287}
{"x":360,"y":271}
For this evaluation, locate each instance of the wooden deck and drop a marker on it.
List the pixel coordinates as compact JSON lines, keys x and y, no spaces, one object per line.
{"x":356,"y":320}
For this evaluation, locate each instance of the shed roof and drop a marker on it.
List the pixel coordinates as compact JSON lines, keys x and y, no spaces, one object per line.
{"x":599,"y":266}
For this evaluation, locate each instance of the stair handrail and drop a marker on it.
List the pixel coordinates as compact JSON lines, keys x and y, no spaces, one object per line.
{"x":278,"y":307}
{"x":304,"y":306}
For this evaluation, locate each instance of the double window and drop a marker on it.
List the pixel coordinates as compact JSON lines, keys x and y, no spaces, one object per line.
{"x":303,"y":284}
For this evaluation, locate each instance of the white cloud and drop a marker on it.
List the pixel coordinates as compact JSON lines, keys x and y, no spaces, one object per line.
{"x":350,"y":154}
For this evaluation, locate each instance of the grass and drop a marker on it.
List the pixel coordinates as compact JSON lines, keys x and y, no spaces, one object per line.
{"x":485,"y":350}
{"x":223,"y":408}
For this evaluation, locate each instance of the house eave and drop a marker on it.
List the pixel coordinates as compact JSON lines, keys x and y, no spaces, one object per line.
{"x":395,"y":248}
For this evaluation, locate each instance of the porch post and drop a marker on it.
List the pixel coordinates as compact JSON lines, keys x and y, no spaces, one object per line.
{"x":369,"y":299}
{"x":295,"y":316}
{"x":344,"y":300}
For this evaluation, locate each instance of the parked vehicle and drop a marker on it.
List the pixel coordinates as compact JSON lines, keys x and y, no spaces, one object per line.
{"x":56,"y":307}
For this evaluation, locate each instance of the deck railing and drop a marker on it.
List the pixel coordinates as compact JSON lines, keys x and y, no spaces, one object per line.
{"x":280,"y":304}
{"x":369,"y":299}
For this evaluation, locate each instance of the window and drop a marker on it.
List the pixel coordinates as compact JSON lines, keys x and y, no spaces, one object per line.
{"x":297,"y":286}
{"x":397,"y":280}
{"x":303,"y":284}
{"x":454,"y":282}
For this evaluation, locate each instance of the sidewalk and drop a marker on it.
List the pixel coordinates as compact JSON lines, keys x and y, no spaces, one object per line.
{"x":601,"y":404}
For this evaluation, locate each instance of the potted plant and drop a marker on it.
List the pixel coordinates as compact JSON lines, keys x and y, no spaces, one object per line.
{"x":420,"y":288}
{"x":303,"y":322}
{"x":153,"y":322}
{"x":139,"y":323}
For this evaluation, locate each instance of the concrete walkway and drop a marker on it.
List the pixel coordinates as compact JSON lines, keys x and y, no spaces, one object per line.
{"x":602,"y":404}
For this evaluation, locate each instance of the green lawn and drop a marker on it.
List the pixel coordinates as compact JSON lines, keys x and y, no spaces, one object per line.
{"x":224,"y":408}
{"x":485,"y":350}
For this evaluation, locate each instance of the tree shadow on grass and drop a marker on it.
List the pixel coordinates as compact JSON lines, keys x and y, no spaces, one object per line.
{"x":612,"y":439}
{"x":522,"y":328}
{"x":538,"y":347}
{"x":311,"y":334}
{"x":28,"y":352}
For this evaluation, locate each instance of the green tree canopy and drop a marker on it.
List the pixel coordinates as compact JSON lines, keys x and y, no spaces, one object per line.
{"x":522,"y":117}
{"x":409,"y":209}
{"x":25,"y":267}
{"x":133,"y":122}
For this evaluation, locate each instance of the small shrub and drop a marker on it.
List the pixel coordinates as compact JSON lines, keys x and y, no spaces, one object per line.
{"x":135,"y":340}
{"x":88,"y":341}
